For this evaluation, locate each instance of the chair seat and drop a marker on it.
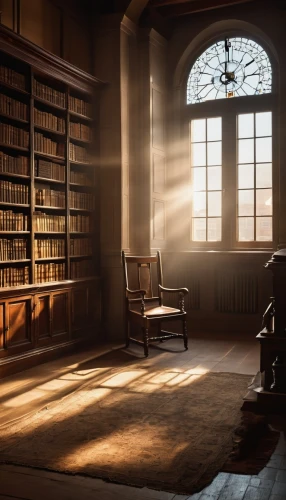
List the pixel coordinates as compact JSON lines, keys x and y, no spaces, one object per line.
{"x":158,"y":311}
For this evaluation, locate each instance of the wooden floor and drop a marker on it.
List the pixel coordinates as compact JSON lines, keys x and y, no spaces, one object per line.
{"x":34,"y":389}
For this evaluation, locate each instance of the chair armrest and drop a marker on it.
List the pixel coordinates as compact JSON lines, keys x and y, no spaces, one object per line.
{"x":185,"y":291}
{"x":134,"y":292}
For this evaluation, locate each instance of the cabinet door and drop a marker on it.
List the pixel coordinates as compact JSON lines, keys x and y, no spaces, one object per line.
{"x":60,"y":314}
{"x":43,"y":319}
{"x":19,"y":323}
{"x":79,"y":308}
{"x":94,"y":304}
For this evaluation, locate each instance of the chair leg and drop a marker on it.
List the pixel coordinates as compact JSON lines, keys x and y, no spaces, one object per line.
{"x":146,"y":341}
{"x":185,"y":334}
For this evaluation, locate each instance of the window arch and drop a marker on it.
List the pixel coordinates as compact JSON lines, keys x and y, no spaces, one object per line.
{"x":233,"y":67}
{"x":231,"y":147}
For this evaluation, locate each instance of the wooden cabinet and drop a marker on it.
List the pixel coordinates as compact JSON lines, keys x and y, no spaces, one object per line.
{"x":19,"y":325}
{"x":59,"y":314}
{"x":79,"y":308}
{"x":43,"y":319}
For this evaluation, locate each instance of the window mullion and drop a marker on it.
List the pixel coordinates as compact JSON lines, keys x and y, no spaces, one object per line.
{"x":229,"y":180}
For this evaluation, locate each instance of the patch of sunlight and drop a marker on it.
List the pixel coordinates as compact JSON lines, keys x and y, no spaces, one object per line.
{"x":122,"y":379}
{"x":55,"y":384}
{"x":162,"y":377}
{"x":141,"y":386}
{"x":23,"y":399}
{"x":178,"y":379}
{"x":190,"y":380}
{"x":198,"y":370}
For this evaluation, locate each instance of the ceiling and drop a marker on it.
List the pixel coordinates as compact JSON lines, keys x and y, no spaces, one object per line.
{"x":176,"y":8}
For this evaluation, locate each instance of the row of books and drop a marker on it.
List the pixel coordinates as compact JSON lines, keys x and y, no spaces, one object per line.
{"x":49,"y":170}
{"x":78,"y":153}
{"x":14,"y":193}
{"x":81,"y":269}
{"x":80,"y":131}
{"x":14,"y":276}
{"x":14,"y":164}
{"x":48,"y":120}
{"x":15,"y":249}
{"x":50,"y":198}
{"x":51,"y":223}
{"x":79,"y":106}
{"x":80,"y":224}
{"x":11,"y":77}
{"x":14,"y":136}
{"x":10,"y":221}
{"x":49,"y":272}
{"x":12,"y":107}
{"x":49,"y":248}
{"x":48,"y":146}
{"x":81,"y":200}
{"x":80,"y":246}
{"x":80,"y":178}
{"x":49,"y":94}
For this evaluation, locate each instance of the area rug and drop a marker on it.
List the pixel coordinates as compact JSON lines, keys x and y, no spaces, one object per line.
{"x":169,"y":429}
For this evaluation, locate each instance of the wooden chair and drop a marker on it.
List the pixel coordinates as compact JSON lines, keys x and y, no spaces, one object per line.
{"x":145,"y":309}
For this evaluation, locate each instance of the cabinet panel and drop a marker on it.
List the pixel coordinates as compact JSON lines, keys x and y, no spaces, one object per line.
{"x":43,"y":317}
{"x":19,"y":322}
{"x":79,"y":308}
{"x":94,"y":304}
{"x":60,"y":318}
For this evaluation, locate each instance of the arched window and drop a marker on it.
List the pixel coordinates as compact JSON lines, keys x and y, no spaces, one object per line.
{"x":230,"y":103}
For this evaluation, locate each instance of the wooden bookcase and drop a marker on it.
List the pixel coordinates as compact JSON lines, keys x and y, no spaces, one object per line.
{"x":49,"y":204}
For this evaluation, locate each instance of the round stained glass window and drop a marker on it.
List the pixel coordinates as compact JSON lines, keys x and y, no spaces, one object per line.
{"x":233,"y":67}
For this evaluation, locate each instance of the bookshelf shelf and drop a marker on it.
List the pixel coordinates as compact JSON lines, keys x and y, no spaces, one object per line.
{"x":48,"y":180}
{"x":80,"y":163}
{"x":14,"y":232}
{"x":48,"y":103}
{"x":49,"y":259}
{"x":12,"y":87}
{"x":14,"y":118}
{"x":3,"y":203}
{"x":49,"y":232}
{"x":77,"y":139}
{"x":47,"y":207}
{"x":47,"y":155}
{"x":15,"y":176}
{"x":49,"y":130}
{"x":80,"y":233}
{"x":13,"y":146}
{"x":79,"y":115}
{"x":14,"y":261}
{"x":82,"y":209}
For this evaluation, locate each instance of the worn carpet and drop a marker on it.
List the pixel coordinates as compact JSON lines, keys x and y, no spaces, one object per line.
{"x":168,"y":429}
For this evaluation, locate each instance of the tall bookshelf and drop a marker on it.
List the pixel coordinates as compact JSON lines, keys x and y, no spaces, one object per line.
{"x":48,"y":184}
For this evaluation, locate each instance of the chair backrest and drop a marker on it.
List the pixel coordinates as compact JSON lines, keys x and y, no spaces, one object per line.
{"x":143,"y":272}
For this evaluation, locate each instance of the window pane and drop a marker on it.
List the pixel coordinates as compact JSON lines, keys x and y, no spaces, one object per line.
{"x":264,"y":175}
{"x":214,"y":204}
{"x":263,"y":124}
{"x":214,"y":153}
{"x":214,"y":229}
{"x":198,"y":155}
{"x":199,"y":230}
{"x":264,"y":228}
{"x":198,"y":130}
{"x":245,"y":176}
{"x":245,"y":126}
{"x":246,"y":202}
{"x":199,"y":179}
{"x":214,"y":129}
{"x":246,"y":151}
{"x":264,"y":202}
{"x":264,"y":150}
{"x":246,"y":228}
{"x":214,"y":178}
{"x":199,"y":205}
